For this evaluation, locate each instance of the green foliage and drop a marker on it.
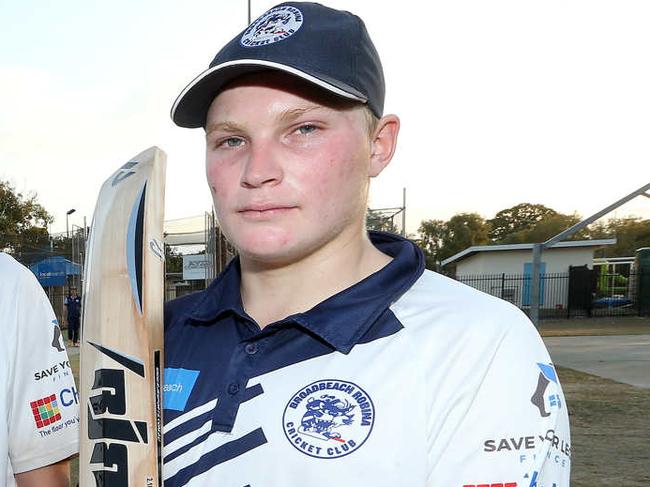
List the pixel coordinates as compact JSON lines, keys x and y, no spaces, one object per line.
{"x":440,"y":239}
{"x":631,"y":233}
{"x":173,"y":260}
{"x":526,"y":223}
{"x":547,"y":227}
{"x":464,"y":230}
{"x":432,"y":235}
{"x":23,"y":221}
{"x":517,"y":219}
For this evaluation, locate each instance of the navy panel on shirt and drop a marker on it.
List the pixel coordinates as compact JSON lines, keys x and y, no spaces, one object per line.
{"x":213,"y":348}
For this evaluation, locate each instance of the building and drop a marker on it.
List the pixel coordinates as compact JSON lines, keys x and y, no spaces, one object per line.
{"x":505,"y":271}
{"x":516,"y":258}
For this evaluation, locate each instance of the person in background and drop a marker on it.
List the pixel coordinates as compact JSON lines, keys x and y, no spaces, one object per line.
{"x":72,"y":315}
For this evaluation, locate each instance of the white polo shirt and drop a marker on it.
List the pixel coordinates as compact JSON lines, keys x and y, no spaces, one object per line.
{"x":39,"y":403}
{"x":407,"y":378}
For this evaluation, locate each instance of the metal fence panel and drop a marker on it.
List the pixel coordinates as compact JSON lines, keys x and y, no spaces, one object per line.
{"x":578,"y":293}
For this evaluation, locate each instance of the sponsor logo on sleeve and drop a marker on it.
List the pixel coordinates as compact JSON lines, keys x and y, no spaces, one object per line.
{"x":47,"y":411}
{"x":546,"y":397}
{"x":535,"y":483}
{"x":178,"y":387}
{"x":329,"y":418}
{"x":57,"y":341}
{"x":53,"y":372}
{"x":492,"y":484}
{"x":525,"y":447}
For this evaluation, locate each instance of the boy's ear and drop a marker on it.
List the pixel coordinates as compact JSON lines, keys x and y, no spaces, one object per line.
{"x":383,"y":144}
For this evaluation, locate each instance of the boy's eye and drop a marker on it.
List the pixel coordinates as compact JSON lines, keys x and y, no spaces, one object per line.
{"x":307,"y":129}
{"x":232,"y":142}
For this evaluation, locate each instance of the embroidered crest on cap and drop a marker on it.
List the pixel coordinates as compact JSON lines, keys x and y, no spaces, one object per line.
{"x":275,"y":25}
{"x":329,"y":418}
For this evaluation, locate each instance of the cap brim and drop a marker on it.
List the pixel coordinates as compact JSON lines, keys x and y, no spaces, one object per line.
{"x":191,"y":107}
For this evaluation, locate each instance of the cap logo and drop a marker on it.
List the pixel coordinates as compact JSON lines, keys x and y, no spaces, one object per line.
{"x":277,"y":24}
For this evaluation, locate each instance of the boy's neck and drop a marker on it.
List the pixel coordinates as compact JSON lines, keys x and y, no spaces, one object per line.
{"x":272,"y":294}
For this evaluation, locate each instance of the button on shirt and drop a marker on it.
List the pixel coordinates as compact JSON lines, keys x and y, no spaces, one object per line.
{"x":398,"y":380}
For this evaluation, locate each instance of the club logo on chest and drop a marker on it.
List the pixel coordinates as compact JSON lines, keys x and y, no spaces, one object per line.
{"x":329,"y":418}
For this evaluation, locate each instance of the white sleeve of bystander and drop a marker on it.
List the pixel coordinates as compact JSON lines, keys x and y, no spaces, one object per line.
{"x":43,"y":414}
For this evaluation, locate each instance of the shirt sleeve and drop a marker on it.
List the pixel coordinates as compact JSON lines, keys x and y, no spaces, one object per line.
{"x":515,"y":432}
{"x":43,"y":418}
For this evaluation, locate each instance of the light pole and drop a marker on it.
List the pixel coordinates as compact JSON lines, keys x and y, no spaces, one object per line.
{"x":67,"y":230}
{"x":67,"y":234}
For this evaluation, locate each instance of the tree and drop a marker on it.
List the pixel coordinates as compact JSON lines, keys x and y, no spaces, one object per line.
{"x":464,"y":230}
{"x":547,"y":227}
{"x":173,"y":260}
{"x":631,"y":233}
{"x":517,"y":219}
{"x":440,"y":239}
{"x":432,"y":235}
{"x":23,"y":221}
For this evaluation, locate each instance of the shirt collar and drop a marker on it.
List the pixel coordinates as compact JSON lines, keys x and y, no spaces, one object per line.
{"x":343,"y":319}
{"x":221,"y":296}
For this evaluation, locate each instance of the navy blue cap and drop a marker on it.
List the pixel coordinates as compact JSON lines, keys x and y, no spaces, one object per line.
{"x":330,"y":48}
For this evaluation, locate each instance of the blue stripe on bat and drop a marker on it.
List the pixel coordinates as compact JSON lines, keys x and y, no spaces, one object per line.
{"x":134,"y":248}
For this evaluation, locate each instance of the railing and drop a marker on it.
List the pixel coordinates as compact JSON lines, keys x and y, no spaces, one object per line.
{"x":571,"y":294}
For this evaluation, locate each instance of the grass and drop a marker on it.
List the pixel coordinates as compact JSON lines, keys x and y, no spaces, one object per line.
{"x":610,"y":428}
{"x":621,"y":325}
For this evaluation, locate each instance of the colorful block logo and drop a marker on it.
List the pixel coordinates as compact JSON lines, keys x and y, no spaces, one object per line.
{"x":46,"y":411}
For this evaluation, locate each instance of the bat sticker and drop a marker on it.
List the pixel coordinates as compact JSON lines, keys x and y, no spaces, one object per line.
{"x":124,"y":172}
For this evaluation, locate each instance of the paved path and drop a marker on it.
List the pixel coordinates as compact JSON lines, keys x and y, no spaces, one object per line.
{"x":621,"y":358}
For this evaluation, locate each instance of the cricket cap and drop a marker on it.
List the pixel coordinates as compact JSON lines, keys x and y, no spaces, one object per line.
{"x":330,"y":48}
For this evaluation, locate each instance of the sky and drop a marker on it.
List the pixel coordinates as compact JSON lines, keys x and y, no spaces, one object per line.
{"x":501,"y":102}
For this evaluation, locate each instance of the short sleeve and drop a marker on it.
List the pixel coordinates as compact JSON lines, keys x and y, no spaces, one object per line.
{"x":43,"y":417}
{"x":516,"y":429}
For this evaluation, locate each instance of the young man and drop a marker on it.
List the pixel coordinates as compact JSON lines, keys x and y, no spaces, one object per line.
{"x":38,"y":402}
{"x":323,"y":355}
{"x":72,"y":315}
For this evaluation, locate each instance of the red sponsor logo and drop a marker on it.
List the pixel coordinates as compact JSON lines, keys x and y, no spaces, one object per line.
{"x":45,"y":411}
{"x":493,"y":484}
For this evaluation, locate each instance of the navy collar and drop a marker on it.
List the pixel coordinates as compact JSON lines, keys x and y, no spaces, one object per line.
{"x":340,"y":320}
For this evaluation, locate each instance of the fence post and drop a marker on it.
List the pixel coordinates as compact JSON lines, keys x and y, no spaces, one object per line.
{"x":639,"y":290}
{"x":503,"y":283}
{"x":534,"y":285}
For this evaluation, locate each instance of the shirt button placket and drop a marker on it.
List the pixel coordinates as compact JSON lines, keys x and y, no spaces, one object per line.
{"x":251,"y":348}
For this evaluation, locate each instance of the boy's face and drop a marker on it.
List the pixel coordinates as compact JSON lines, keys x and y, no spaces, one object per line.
{"x":289,"y":172}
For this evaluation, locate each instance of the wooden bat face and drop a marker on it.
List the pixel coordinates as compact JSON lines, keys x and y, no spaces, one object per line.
{"x":122,"y":330}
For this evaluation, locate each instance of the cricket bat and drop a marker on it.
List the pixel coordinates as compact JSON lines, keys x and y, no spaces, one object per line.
{"x":121,"y":370}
